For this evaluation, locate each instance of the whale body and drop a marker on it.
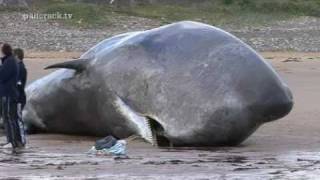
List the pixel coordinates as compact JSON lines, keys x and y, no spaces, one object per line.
{"x":182,"y":84}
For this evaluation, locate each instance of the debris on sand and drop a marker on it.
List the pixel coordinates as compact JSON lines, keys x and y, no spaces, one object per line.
{"x":292,"y":59}
{"x":109,"y":146}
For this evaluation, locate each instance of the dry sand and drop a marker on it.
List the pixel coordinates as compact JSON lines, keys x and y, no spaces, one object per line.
{"x":284,"y":149}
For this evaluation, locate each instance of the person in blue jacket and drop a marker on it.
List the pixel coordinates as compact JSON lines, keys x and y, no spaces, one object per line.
{"x":9,"y":73}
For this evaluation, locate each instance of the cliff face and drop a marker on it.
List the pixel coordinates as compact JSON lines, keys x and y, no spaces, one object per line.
{"x":13,"y":3}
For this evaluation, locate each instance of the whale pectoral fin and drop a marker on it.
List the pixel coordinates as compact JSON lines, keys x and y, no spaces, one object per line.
{"x":141,"y":123}
{"x":32,"y":121}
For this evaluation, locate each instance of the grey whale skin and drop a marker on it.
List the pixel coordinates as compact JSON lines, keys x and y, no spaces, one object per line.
{"x":183,"y":84}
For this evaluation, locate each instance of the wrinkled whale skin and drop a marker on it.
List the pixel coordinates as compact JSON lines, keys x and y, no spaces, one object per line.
{"x":200,"y":85}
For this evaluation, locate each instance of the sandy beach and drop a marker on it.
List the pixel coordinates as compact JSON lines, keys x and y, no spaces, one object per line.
{"x":288,"y":148}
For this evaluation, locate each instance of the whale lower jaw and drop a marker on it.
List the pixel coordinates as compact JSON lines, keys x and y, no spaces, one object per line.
{"x":140,"y":122}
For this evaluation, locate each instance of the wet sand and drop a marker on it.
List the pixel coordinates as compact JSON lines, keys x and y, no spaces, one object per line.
{"x":284,"y":149}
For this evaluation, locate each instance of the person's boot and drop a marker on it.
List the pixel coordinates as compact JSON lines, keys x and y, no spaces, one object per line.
{"x":19,"y":149}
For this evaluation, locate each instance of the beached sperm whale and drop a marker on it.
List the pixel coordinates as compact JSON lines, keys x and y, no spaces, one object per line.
{"x":184,"y":84}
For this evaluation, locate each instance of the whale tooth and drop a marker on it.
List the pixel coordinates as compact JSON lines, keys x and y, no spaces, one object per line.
{"x":152,"y":134}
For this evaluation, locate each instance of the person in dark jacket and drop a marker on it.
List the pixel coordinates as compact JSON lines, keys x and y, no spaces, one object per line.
{"x":9,"y":95}
{"x":21,"y":84}
{"x":1,"y":120}
{"x":22,"y":77}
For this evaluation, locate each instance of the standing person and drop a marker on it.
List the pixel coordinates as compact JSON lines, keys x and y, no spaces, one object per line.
{"x":21,"y":84}
{"x":9,"y":96}
{"x":22,"y":77}
{"x":1,"y":120}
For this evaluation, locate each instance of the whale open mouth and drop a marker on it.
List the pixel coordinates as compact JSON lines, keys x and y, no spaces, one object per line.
{"x":147,"y":127}
{"x":158,"y":137}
